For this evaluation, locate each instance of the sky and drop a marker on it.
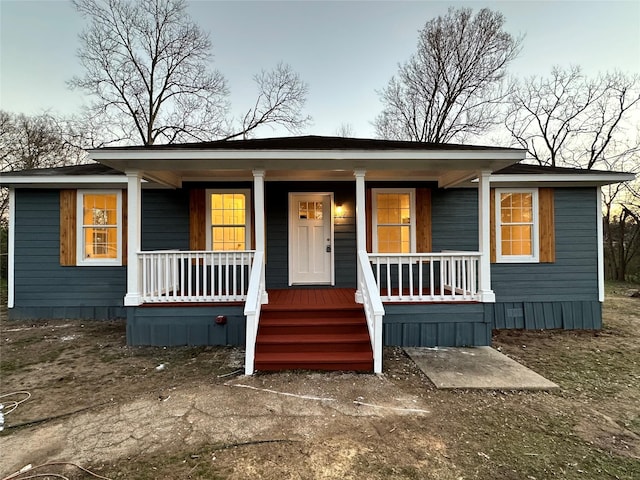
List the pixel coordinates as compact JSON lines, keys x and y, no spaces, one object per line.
{"x":345,"y":50}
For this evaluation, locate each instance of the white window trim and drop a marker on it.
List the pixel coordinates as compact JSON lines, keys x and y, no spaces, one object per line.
{"x":374,"y":215}
{"x":247,"y":214}
{"x":95,"y":262}
{"x":535,"y":242}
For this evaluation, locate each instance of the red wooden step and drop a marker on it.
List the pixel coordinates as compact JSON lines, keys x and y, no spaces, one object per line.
{"x":358,"y":342}
{"x":350,"y":361}
{"x":313,"y":330}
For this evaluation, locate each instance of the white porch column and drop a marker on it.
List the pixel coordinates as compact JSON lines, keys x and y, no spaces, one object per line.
{"x":259,"y":221}
{"x":361,"y":224}
{"x":134,"y":215}
{"x":484,"y":238}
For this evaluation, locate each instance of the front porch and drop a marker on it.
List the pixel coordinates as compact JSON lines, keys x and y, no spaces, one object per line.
{"x":323,"y":219}
{"x":310,"y":328}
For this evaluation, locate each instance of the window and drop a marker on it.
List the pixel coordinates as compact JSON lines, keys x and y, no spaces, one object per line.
{"x":517,"y":225}
{"x":394,"y":220}
{"x":99,"y":227}
{"x":228,"y":221}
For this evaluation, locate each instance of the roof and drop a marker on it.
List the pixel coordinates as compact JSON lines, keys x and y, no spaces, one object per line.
{"x":529,"y":169}
{"x":523,"y":174}
{"x":89,"y":175}
{"x":308,"y":158}
{"x":308,"y":142}
{"x":71,"y":170}
{"x":382,"y":159}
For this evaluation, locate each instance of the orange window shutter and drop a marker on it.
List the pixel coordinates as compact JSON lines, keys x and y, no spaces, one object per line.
{"x":423,"y":220}
{"x":492,"y":225}
{"x":197,"y":219}
{"x":547,"y":233}
{"x":68,"y":227}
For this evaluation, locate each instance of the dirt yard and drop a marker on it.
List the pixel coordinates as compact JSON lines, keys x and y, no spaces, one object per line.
{"x":155,"y":413}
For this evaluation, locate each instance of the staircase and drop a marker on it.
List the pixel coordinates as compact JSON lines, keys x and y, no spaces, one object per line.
{"x":313,"y":335}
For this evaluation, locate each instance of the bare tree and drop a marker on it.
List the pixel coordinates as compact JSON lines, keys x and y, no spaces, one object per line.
{"x":451,"y":87}
{"x":345,"y":130}
{"x":621,"y":225}
{"x":147,"y":64}
{"x":281,"y":98}
{"x":570,"y":119}
{"x":28,"y":142}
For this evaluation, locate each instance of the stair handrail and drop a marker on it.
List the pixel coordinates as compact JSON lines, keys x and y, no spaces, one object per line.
{"x":373,"y":308}
{"x":252,"y":307}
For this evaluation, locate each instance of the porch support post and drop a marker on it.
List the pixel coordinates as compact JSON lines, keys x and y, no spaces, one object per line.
{"x":484,"y":238}
{"x":134,"y":209}
{"x":361,"y":224}
{"x":259,"y":221}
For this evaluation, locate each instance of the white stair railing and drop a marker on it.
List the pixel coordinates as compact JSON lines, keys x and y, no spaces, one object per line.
{"x":373,"y":309}
{"x":252,"y":307}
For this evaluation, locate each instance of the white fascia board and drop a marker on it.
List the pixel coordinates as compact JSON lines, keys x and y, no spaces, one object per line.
{"x":70,"y":181}
{"x":595,"y":179}
{"x":40,"y":181}
{"x":104,"y":156}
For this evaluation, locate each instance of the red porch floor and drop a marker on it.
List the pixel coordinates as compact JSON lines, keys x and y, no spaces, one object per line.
{"x":325,"y":298}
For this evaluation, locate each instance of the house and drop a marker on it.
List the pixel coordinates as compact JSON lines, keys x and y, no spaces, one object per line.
{"x":311,"y":252}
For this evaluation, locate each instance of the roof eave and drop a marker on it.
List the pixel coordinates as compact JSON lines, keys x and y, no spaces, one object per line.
{"x":560,"y":180}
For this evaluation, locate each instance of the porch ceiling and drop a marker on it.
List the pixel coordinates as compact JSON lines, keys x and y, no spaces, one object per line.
{"x":175,"y":167}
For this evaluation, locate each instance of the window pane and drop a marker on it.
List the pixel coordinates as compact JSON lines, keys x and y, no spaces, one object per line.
{"x":302,"y":210}
{"x":393,"y":208}
{"x":228,"y":238}
{"x":517,"y":240}
{"x":100,"y":209}
{"x":100,"y":242}
{"x":227,"y":208}
{"x":394,"y":239}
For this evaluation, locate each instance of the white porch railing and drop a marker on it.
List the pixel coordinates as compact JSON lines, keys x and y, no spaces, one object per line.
{"x":426,"y":277}
{"x":252,"y":309}
{"x":373,"y":309}
{"x":195,"y":276}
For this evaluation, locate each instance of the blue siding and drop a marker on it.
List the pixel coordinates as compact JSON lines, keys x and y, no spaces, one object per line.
{"x":454,"y":219}
{"x":192,"y":325}
{"x":563,"y":294}
{"x":43,"y":288}
{"x":443,"y":325}
{"x":547,"y":315}
{"x":165,"y":219}
{"x":574,"y":274}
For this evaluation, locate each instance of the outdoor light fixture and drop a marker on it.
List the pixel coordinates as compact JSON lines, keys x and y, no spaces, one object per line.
{"x":340,"y":211}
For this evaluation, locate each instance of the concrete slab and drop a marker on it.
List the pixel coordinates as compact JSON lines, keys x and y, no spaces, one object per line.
{"x":476,"y":368}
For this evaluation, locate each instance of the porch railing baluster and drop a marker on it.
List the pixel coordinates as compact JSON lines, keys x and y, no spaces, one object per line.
{"x":450,"y":276}
{"x":195,"y":276}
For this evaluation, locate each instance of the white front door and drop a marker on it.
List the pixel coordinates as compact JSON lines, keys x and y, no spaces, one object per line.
{"x":310,"y":239}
